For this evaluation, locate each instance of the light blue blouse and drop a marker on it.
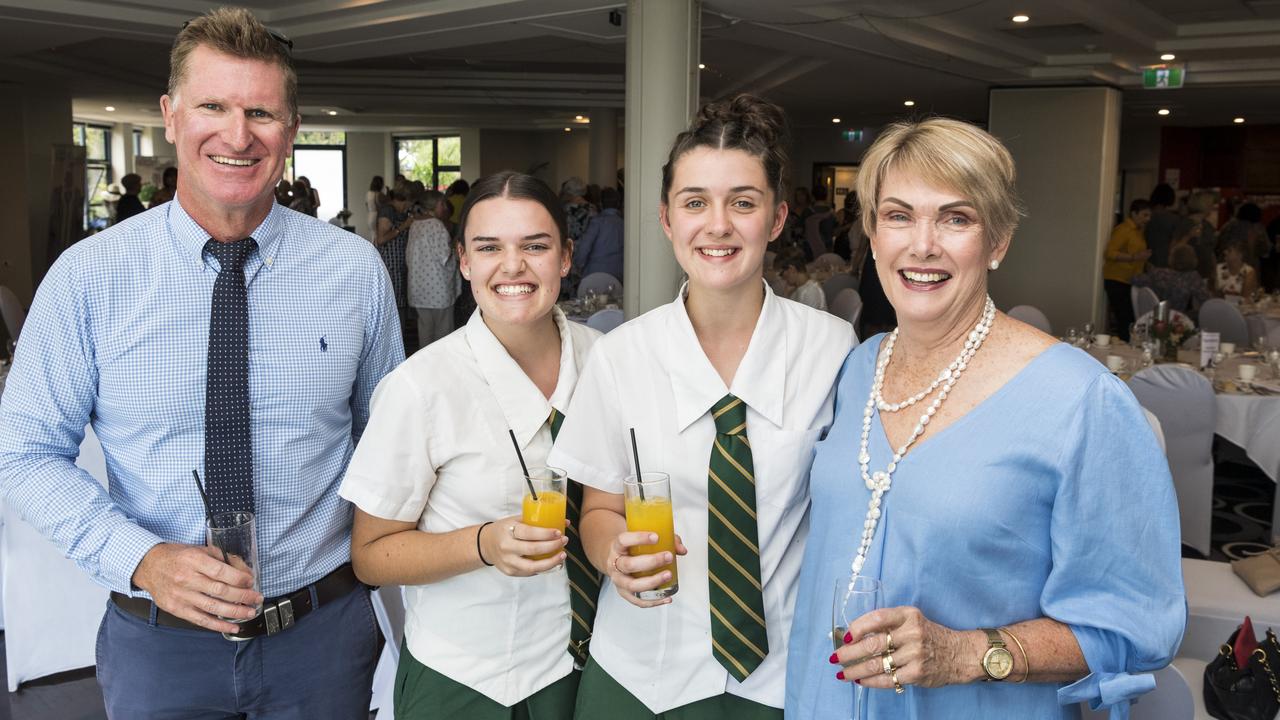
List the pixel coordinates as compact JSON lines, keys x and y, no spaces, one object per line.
{"x":1049,"y":499}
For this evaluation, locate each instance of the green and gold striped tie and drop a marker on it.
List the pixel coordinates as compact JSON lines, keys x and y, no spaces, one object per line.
{"x":738,"y":637}
{"x":584,"y":581}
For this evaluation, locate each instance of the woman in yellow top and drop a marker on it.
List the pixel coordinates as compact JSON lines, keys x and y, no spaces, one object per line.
{"x":1126,"y":255}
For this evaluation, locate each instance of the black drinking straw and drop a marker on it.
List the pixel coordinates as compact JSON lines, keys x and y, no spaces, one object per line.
{"x":635,"y":454}
{"x":208,"y":512}
{"x":527,"y":480}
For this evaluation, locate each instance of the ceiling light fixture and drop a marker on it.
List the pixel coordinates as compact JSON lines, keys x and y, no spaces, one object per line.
{"x":835,"y":120}
{"x":333,"y":112}
{"x":1168,"y":56}
{"x":909,"y":103}
{"x":1238,"y":121}
{"x":1021,"y":18}
{"x":568,"y":129}
{"x":110,"y":108}
{"x":1162,"y":111}
{"x":579,"y":118}
{"x":702,"y":66}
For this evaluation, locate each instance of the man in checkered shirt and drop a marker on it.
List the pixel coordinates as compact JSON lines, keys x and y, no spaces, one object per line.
{"x":119,"y":337}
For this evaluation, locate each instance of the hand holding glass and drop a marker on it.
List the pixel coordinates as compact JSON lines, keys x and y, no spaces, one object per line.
{"x":648,"y":506}
{"x":850,"y":601}
{"x":235,"y":535}
{"x":547,"y":510}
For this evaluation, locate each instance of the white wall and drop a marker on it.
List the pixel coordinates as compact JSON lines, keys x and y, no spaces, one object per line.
{"x":1065,"y":142}
{"x":471,"y":151}
{"x":367,"y":155}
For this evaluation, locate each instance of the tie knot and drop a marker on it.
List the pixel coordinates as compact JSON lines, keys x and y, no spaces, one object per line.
{"x":730,"y":415}
{"x":231,"y":255}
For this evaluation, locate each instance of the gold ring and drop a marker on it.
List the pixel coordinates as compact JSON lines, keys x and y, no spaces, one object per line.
{"x":886,"y":663}
{"x":512,"y":529}
{"x":615,"y":564}
{"x":888,"y":641}
{"x":897,"y":686}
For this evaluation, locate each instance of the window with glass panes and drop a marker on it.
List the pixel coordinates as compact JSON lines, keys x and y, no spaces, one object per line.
{"x":96,"y":140}
{"x":434,"y":160}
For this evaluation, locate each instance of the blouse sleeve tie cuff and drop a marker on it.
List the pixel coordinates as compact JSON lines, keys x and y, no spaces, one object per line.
{"x":1108,"y":690}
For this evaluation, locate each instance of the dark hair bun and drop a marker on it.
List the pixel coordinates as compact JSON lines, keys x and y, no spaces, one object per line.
{"x":749,"y":115}
{"x":742,"y":122}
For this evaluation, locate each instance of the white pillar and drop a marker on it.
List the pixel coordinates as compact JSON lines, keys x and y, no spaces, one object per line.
{"x":603,"y":147}
{"x":662,"y":96}
{"x":1066,"y":144}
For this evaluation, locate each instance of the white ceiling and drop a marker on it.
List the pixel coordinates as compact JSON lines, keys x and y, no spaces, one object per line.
{"x":403,"y":64}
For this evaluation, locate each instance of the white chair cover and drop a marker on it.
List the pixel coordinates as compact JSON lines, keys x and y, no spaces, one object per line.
{"x":836,"y":283}
{"x":1032,"y":316}
{"x":52,"y":608}
{"x":1222,"y":317}
{"x":1183,"y":400}
{"x":606,"y":320}
{"x":11,"y":309}
{"x":831,"y":260}
{"x":1144,"y":300}
{"x":602,"y":283}
{"x":1171,"y":700}
{"x":388,"y":606}
{"x":813,"y":234}
{"x":847,"y":305}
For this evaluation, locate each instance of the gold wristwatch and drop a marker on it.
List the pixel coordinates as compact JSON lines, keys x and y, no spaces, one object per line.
{"x":997,"y":663}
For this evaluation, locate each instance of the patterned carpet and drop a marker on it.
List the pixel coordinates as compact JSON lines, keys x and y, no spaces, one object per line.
{"x":1242,"y":500}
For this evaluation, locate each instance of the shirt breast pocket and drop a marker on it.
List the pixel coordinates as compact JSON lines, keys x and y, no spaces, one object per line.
{"x":782,"y":473}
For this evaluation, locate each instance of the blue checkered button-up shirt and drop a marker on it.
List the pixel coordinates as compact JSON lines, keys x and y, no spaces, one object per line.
{"x":118,"y":337}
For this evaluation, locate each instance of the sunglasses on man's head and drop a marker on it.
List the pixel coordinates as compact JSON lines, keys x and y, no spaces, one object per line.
{"x":279,"y":37}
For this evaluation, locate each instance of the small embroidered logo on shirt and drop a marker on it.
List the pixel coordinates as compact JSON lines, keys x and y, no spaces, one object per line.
{"x":324,"y":346}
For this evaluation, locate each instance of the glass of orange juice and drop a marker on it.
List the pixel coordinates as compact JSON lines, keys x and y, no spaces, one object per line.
{"x":548,"y":509}
{"x":648,"y":504}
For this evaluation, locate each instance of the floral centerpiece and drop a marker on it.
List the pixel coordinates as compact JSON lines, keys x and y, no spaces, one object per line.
{"x":1169,"y":336}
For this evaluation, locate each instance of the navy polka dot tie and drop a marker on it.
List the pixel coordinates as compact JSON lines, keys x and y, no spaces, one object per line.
{"x":228,"y":451}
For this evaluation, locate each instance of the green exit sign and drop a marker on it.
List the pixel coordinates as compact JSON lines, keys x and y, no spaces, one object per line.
{"x":852,"y":135}
{"x":1163,"y":77}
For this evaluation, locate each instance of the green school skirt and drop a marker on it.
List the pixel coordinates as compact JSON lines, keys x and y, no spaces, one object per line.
{"x":424,"y":694}
{"x":600,"y":697}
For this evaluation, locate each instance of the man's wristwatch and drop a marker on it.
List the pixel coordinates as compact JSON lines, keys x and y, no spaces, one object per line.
{"x":997,"y":663}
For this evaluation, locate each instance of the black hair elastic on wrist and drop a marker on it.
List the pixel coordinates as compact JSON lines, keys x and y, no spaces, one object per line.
{"x":478,"y":551}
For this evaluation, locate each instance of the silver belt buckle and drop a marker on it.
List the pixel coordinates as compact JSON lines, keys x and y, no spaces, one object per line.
{"x":279,"y":617}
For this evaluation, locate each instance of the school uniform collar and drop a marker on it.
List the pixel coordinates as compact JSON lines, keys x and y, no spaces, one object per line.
{"x":761,"y":378}
{"x":523,"y":405}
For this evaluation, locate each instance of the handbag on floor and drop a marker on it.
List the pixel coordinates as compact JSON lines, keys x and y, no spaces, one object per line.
{"x":1241,"y":682}
{"x":1260,"y":572}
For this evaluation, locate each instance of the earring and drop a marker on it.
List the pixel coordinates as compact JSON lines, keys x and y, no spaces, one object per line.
{"x":995,"y":265}
{"x":466,"y":276}
{"x":873,"y":256}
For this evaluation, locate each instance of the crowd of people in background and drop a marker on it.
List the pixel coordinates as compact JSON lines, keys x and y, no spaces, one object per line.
{"x":413,"y":228}
{"x":1171,"y":246}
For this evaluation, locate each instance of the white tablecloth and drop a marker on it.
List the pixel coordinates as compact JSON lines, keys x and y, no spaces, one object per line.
{"x":52,"y":609}
{"x":1250,"y":421}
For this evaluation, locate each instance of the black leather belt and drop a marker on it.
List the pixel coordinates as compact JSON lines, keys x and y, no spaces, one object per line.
{"x":278,"y":614}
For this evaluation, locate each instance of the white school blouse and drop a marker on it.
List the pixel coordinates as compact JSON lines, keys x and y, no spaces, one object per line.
{"x":436,"y":451}
{"x":651,"y":374}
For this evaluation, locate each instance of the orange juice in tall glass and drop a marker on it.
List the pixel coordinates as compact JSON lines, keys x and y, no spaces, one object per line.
{"x":648,"y":505}
{"x":548,"y":509}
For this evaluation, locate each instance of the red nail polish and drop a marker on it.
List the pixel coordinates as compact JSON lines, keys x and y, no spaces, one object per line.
{"x":833,"y":659}
{"x":840,"y":675}
{"x":859,"y":682}
{"x":848,"y":637}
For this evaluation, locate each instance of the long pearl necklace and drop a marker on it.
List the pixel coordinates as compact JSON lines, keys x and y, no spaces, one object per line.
{"x":879,"y":482}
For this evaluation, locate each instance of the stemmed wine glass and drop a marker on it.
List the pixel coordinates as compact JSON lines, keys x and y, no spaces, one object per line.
{"x":851,"y":600}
